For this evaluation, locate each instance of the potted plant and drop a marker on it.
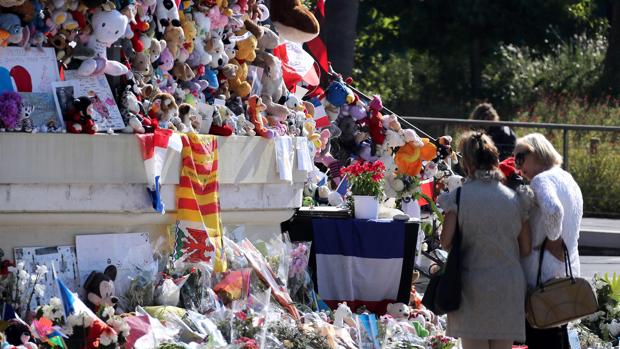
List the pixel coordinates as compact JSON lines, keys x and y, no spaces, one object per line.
{"x":366,"y":185}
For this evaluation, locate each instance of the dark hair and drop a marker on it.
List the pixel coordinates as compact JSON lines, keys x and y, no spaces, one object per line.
{"x":484,"y":111}
{"x":478,"y":152}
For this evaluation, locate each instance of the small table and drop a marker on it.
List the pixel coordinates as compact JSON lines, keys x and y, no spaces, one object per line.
{"x":362,"y":262}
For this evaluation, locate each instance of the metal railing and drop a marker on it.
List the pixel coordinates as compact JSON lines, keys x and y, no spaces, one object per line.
{"x":531,"y":125}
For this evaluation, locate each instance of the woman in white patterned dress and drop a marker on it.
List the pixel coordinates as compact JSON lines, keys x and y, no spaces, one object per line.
{"x":556,"y":216}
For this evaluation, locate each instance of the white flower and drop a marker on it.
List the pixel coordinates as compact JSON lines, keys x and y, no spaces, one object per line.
{"x":20,"y":266}
{"x":87,"y":320}
{"x":41,"y":270}
{"x":39,"y":290}
{"x":614,"y":328}
{"x":108,"y":338}
{"x":33,"y":278}
{"x":48,"y":311}
{"x":12,"y":270}
{"x":22,"y":274}
{"x":56,"y":302}
{"x":68,"y":330}
{"x":108,"y":312}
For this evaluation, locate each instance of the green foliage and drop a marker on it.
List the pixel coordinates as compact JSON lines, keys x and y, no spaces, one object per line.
{"x":520,"y":76}
{"x":614,"y":284}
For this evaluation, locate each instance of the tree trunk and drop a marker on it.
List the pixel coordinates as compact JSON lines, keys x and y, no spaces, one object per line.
{"x":610,"y":80}
{"x":339,"y":33}
{"x":476,"y":67}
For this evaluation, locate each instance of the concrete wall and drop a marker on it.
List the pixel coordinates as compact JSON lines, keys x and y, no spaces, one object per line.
{"x":53,"y":187}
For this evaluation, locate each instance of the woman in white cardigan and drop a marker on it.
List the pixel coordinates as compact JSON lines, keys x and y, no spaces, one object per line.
{"x":556,"y":216}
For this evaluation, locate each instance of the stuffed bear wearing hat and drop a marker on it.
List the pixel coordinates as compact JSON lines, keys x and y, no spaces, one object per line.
{"x":99,"y":289}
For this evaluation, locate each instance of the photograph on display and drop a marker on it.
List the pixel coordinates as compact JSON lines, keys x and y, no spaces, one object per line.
{"x":41,"y":108}
{"x":105,"y":111}
{"x":24,"y":70}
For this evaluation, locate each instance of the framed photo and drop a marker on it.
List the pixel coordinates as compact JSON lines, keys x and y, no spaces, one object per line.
{"x":31,"y":70}
{"x":105,"y":111}
{"x":42,"y":111}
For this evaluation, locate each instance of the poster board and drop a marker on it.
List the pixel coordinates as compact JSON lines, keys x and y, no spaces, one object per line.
{"x":127,"y":252}
{"x":105,"y":111}
{"x":65,"y":263}
{"x":32,"y":70}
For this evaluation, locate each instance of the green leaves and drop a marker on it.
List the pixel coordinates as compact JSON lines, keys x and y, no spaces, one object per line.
{"x":614,"y":284}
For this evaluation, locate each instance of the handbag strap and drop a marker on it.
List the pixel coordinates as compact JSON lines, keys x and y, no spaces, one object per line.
{"x":568,"y":269}
{"x":457,"y":230}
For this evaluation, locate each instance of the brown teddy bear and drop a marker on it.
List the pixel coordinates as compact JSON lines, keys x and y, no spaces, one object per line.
{"x":141,"y":66}
{"x":246,"y":52}
{"x":182,"y":72}
{"x":163,"y":108}
{"x":175,"y":38}
{"x":293,"y":20}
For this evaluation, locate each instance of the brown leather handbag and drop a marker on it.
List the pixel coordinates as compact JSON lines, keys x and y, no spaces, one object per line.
{"x":560,"y":300}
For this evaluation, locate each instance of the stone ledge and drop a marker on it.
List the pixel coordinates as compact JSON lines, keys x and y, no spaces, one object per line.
{"x":116,"y":159}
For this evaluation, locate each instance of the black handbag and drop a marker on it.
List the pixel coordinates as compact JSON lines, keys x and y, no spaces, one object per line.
{"x":443,"y":293}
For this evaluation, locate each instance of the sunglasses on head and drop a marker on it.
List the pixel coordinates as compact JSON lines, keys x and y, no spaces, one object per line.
{"x":520,"y":158}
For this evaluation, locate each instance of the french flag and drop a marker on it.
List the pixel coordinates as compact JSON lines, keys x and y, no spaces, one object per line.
{"x":363,"y":262}
{"x":154,"y":148}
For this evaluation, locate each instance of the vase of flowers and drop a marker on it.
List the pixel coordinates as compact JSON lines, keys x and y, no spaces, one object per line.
{"x":366,"y":186}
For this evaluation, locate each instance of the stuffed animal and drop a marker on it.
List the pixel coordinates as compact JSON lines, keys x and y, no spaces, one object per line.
{"x":79,"y":118}
{"x":25,"y":10}
{"x":163,"y":108}
{"x":377,"y":133}
{"x":67,"y":48}
{"x":205,"y":111}
{"x":191,"y":33}
{"x":141,"y":67}
{"x":175,"y":38}
{"x":203,"y":23}
{"x":132,"y":112}
{"x":190,"y":117}
{"x":246,"y":52}
{"x":167,"y":13}
{"x":269,"y":40}
{"x":182,"y":72}
{"x":293,"y":21}
{"x":245,"y":127}
{"x":215,"y":49}
{"x":339,"y":94}
{"x":18,"y":335}
{"x":155,"y":49}
{"x":108,"y":27}
{"x":11,"y":25}
{"x":93,"y":3}
{"x":273,"y":84}
{"x":255,"y":109}
{"x":398,"y":310}
{"x":99,"y":289}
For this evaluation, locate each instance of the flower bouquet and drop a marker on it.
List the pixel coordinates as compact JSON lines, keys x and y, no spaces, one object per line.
{"x":19,"y":287}
{"x":605,"y":323}
{"x":408,"y":192}
{"x":366,"y":186}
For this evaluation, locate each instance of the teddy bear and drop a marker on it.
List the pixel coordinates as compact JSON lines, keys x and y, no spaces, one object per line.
{"x":199,"y":55}
{"x":269,"y":40}
{"x":163,"y":108}
{"x":79,"y":117}
{"x":155,"y":48}
{"x":25,"y":10}
{"x":67,"y":48}
{"x":398,"y":310}
{"x":99,"y":289}
{"x":254,"y":110}
{"x":190,"y":31}
{"x":108,"y":27}
{"x":167,"y":14}
{"x":246,"y":52}
{"x":174,"y":37}
{"x":203,"y":23}
{"x":141,"y":67}
{"x":293,"y":21}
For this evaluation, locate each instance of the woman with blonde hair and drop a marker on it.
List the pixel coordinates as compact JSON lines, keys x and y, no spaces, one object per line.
{"x":555,"y":216}
{"x":494,"y":232}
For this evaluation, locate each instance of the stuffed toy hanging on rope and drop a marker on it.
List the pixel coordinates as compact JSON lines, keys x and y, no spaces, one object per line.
{"x":293,"y":21}
{"x":108,"y":27}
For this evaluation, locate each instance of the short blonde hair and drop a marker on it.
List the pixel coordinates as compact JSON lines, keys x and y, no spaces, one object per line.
{"x":542,"y":149}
